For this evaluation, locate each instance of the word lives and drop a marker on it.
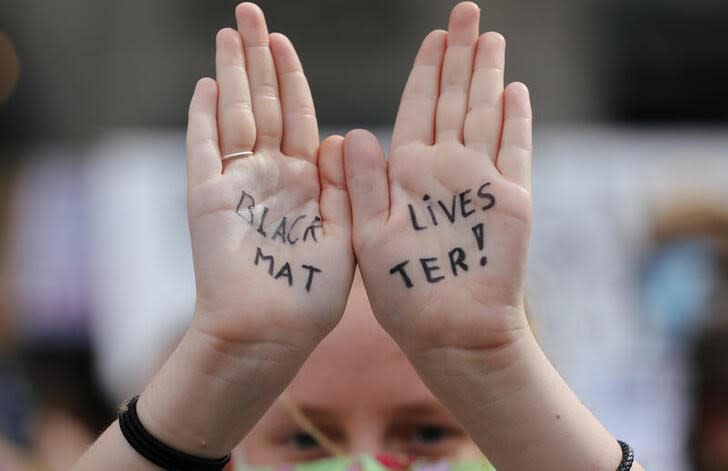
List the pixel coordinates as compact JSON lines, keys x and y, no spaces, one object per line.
{"x":287,"y":232}
{"x":460,"y":207}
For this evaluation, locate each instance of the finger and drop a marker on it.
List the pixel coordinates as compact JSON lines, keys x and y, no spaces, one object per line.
{"x":300,"y":130}
{"x":235,"y":114}
{"x":457,"y":69}
{"x":203,"y":154}
{"x":335,"y":206}
{"x":416,"y":116}
{"x":262,"y":76}
{"x":366,"y":179}
{"x":485,"y":107}
{"x":514,"y":157}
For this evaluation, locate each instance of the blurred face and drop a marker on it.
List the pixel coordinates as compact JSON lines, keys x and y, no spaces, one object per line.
{"x":361,"y":392}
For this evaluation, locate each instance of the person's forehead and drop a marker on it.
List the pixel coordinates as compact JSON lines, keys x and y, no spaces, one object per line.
{"x":358,"y":362}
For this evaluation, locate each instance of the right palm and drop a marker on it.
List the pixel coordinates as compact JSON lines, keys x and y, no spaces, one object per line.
{"x":285,"y":281}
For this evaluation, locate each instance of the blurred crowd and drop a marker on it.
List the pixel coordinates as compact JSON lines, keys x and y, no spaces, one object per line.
{"x":628,"y":283}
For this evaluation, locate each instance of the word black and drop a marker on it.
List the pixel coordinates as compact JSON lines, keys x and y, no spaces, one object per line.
{"x":288,"y":231}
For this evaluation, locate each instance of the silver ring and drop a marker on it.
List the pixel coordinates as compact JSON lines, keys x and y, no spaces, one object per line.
{"x":237,"y":155}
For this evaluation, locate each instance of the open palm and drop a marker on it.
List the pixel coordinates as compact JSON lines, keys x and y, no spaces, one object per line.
{"x":271,"y":230}
{"x":441,"y":229}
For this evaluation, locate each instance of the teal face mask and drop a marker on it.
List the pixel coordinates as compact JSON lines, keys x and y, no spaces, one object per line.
{"x":373,"y":463}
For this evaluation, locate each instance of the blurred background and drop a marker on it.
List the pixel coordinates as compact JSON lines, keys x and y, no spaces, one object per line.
{"x":629,"y":266}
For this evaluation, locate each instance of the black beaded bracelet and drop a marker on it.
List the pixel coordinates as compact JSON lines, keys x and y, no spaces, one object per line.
{"x":157,"y":452}
{"x":627,"y":456}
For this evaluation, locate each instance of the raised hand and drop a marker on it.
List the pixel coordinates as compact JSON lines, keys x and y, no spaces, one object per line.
{"x":441,"y":229}
{"x":270,"y":231}
{"x":270,"y":223}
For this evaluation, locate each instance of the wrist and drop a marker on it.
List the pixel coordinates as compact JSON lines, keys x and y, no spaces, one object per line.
{"x":234,"y":332}
{"x":494,"y":339}
{"x":210,"y":393}
{"x":517,"y":408}
{"x":499,"y":365}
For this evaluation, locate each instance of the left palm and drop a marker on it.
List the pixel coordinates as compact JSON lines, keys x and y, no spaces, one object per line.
{"x":441,"y":230}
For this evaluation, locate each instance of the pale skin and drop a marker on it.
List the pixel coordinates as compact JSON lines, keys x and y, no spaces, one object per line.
{"x":461,"y":342}
{"x":359,"y":389}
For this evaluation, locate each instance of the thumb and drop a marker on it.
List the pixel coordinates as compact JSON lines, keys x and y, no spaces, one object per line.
{"x":366,"y":179}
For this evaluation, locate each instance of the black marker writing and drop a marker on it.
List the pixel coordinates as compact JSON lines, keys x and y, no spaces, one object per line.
{"x":245,"y":207}
{"x":262,"y":222}
{"x":464,"y":202}
{"x":486,"y":196}
{"x":284,"y":232}
{"x":311,"y":271}
{"x":311,"y":229}
{"x":400,"y":269}
{"x":479,"y":233}
{"x":451,"y":215}
{"x":292,"y":229}
{"x":413,"y":218}
{"x":428,"y":265}
{"x":285,"y":271}
{"x":430,"y":210}
{"x":431,"y":270}
{"x":457,"y":259}
{"x":266,"y":258}
{"x":460,"y":205}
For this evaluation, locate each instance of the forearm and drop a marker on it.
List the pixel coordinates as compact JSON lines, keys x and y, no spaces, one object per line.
{"x":203,"y":400}
{"x":518,"y":409}
{"x":111,"y":451}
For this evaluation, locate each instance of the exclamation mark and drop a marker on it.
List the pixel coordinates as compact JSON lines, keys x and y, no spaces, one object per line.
{"x":479,"y":234}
